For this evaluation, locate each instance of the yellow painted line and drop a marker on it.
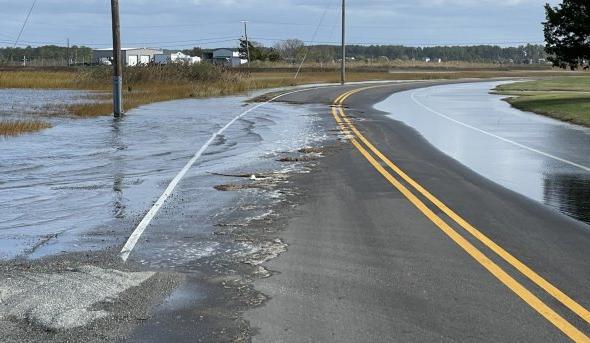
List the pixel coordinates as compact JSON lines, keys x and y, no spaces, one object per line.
{"x":516,"y":263}
{"x":493,"y":268}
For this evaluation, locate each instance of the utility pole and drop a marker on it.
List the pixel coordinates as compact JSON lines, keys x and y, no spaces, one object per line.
{"x":117,"y":67}
{"x":343,"y":65}
{"x":247,"y":42}
{"x":68,"y":52}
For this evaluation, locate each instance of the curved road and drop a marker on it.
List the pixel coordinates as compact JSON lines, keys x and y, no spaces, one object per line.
{"x":398,"y":242}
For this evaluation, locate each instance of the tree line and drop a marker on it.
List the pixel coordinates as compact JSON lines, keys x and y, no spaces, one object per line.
{"x":46,"y":55}
{"x":293,"y":50}
{"x":566,"y":30}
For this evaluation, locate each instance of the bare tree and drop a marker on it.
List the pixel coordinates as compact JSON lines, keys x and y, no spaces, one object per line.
{"x":290,"y":49}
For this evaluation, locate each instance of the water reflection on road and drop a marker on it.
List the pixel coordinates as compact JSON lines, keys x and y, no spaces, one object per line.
{"x":539,"y":157}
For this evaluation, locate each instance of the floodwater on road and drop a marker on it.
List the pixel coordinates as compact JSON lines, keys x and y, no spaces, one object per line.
{"x":539,"y":157}
{"x":84,"y":184}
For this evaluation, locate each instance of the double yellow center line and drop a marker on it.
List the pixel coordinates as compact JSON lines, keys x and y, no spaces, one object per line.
{"x":393,"y":174}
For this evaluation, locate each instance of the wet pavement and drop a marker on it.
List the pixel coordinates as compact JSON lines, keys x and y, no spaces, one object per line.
{"x":539,"y":157}
{"x":84,"y":184}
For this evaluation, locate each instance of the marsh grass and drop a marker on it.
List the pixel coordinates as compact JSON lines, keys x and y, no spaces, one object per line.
{"x":17,"y":127}
{"x":144,"y":85}
{"x":566,"y":99}
{"x":564,"y":84}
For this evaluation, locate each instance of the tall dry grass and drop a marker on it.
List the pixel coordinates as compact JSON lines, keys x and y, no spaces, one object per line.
{"x":143,"y":85}
{"x":17,"y":127}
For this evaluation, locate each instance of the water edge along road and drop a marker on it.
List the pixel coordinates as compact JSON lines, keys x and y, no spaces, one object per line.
{"x":399,"y":242}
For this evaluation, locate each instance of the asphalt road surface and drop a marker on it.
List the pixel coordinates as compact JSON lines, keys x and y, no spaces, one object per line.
{"x":320,"y":220}
{"x":398,"y":242}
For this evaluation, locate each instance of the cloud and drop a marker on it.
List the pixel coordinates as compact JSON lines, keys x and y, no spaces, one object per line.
{"x":371,"y":21}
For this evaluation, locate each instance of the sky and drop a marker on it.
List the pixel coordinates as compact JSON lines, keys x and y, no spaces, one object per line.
{"x":217,"y":23}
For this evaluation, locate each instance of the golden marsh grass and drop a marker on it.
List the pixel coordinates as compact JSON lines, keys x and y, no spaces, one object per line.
{"x":144,"y":85}
{"x":17,"y":127}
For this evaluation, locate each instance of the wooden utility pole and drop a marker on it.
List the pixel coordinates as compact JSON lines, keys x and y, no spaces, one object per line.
{"x":246,"y":36}
{"x":343,"y":65}
{"x":117,"y":63}
{"x":68,"y":52}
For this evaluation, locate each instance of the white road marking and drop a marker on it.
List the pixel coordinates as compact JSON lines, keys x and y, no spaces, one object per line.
{"x":132,"y":241}
{"x":499,"y":137}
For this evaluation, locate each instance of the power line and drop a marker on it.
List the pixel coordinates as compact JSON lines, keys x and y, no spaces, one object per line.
{"x":203,"y":40}
{"x":332,"y":43}
{"x":24,"y":23}
{"x":213,"y":40}
{"x":317,"y":29}
{"x":279,"y":23}
{"x":413,"y":40}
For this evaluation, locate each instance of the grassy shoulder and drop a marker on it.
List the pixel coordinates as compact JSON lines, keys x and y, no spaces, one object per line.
{"x":563,"y":98}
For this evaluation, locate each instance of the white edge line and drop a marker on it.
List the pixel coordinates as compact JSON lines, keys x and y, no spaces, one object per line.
{"x":498,"y":137}
{"x":134,"y":238}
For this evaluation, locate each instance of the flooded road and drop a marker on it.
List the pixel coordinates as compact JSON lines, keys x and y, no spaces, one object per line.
{"x":539,"y":157}
{"x":84,"y":184}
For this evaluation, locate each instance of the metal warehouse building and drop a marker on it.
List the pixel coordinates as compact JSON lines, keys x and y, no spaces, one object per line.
{"x":229,"y":57}
{"x":131,"y":56}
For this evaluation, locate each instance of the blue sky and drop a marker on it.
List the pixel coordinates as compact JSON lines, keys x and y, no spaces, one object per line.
{"x":212,"y":23}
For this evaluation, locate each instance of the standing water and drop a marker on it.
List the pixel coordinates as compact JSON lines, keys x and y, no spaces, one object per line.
{"x":84,"y":184}
{"x":539,"y":157}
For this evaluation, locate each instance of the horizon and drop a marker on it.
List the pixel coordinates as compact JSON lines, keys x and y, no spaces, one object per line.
{"x":375,"y":22}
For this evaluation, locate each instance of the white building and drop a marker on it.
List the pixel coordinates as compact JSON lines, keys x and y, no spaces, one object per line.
{"x":229,"y":57}
{"x":176,"y":57}
{"x":130,"y":56}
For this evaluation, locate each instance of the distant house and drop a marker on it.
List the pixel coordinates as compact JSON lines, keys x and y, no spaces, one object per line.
{"x":229,"y":57}
{"x":130,"y":56}
{"x":175,"y":57}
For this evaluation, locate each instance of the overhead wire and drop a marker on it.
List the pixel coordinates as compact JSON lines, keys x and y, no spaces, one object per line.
{"x":417,"y":45}
{"x":232,"y":39}
{"x":203,"y":41}
{"x":317,"y":29}
{"x":213,"y":40}
{"x":24,"y":23}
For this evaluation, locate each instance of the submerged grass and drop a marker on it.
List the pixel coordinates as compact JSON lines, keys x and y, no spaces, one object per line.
{"x":17,"y":127}
{"x":566,"y":99}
